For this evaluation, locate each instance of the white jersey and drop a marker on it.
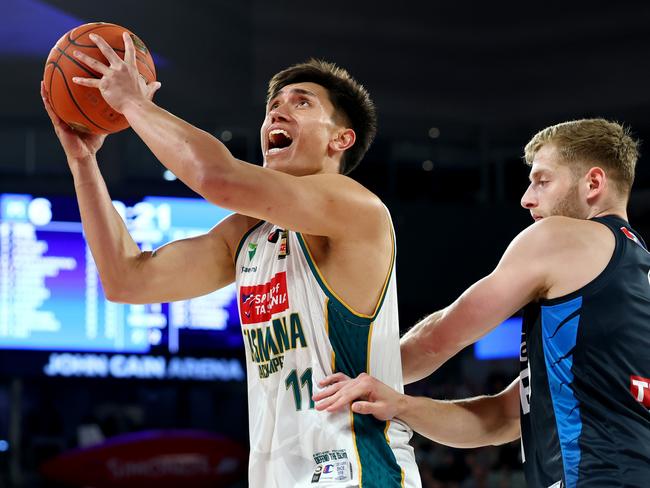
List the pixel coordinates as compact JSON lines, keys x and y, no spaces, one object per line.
{"x":296,"y":332}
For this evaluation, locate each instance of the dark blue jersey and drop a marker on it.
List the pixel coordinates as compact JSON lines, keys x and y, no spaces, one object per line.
{"x":585,"y":377}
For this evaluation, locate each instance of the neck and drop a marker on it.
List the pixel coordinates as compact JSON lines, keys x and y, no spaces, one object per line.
{"x":614,"y":209}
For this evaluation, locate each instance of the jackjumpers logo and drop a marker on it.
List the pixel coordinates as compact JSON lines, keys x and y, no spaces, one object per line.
{"x":640,"y":389}
{"x":258,"y":303}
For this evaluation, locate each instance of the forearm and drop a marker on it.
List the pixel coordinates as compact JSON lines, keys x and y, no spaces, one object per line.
{"x":194,"y":156}
{"x":111,"y":244}
{"x":421,"y":353}
{"x":470,"y":423}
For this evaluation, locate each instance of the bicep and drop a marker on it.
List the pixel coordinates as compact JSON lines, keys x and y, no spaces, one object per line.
{"x":329,"y":205}
{"x":180,"y":270}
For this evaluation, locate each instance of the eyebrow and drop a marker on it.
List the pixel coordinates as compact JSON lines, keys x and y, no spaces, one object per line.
{"x":536,"y":173}
{"x":300,"y":91}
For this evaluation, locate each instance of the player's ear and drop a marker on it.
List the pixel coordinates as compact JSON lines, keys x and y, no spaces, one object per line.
{"x":596,"y":179}
{"x":343,"y":139}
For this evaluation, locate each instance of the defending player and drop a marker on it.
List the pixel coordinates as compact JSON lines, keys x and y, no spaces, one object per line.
{"x":312,"y":252}
{"x":581,"y":404}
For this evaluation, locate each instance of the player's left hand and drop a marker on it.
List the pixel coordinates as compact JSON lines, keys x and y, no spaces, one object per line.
{"x":365,"y":394}
{"x":120,"y":83}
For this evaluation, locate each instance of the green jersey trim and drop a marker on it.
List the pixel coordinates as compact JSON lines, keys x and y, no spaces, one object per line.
{"x":245,"y":236}
{"x":356,"y":317}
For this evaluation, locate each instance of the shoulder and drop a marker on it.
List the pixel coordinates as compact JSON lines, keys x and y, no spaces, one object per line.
{"x":563,"y":250}
{"x":559,"y":234}
{"x":342,"y":183}
{"x":359,"y":211}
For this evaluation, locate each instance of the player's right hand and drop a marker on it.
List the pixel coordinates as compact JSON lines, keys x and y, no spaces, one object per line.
{"x":364,"y":394}
{"x":77,"y":146}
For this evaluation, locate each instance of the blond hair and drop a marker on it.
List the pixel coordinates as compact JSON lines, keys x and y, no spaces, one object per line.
{"x":591,"y":142}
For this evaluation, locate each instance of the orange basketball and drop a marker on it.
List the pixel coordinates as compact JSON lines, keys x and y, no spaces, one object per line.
{"x":81,"y":107}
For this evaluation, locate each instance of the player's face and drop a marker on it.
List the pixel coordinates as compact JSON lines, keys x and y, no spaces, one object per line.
{"x":298,"y":128}
{"x":553,"y":189}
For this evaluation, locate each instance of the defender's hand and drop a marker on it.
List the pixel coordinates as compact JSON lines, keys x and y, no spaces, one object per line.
{"x":365,"y":394}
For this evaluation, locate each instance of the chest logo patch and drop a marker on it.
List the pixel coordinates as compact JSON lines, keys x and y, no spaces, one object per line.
{"x":258,"y":303}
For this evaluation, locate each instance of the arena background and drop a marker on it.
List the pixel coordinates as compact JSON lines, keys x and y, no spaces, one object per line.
{"x":460,"y":87}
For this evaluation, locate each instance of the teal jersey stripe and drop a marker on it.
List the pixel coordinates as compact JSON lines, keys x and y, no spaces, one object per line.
{"x":344,"y":308}
{"x":349,"y":335}
{"x":243,"y":238}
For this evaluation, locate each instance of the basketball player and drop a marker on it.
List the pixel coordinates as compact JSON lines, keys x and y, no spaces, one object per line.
{"x":583,"y":275}
{"x":311,"y":250}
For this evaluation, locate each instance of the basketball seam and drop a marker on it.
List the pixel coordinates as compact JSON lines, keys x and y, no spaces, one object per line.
{"x":92,"y":28}
{"x":73,"y":42}
{"x":91,"y":73}
{"x":70,"y":42}
{"x":65,"y":83}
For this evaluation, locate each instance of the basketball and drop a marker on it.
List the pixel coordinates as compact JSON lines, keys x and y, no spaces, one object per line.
{"x":81,"y":107}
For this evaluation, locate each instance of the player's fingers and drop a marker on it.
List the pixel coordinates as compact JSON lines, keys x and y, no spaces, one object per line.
{"x":91,"y":62}
{"x":48,"y":108}
{"x":365,"y":408}
{"x":348,"y":394}
{"x":107,"y":51}
{"x":327,"y":392}
{"x":340,"y":401}
{"x":129,"y":49}
{"x":91,"y":82}
{"x":325,"y":403}
{"x":333,"y":378}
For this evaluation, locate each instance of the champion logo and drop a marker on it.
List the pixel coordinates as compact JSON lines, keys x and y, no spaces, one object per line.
{"x":259,"y":302}
{"x":640,"y":389}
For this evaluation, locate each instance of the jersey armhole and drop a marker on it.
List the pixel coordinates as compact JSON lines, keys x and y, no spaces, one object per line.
{"x":601,"y":279}
{"x":244,"y":237}
{"x":338,"y":302}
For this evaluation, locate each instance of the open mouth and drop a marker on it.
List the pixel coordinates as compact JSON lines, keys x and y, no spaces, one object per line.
{"x":279,"y":139}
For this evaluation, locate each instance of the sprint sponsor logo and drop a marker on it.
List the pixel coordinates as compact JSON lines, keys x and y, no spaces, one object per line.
{"x":259,"y":303}
{"x":268,"y":343}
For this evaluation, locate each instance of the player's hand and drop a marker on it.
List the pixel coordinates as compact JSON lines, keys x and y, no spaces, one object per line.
{"x":77,"y":145}
{"x":365,"y":394}
{"x":121,"y":82}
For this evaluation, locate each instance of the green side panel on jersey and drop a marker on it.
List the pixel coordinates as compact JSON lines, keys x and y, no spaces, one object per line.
{"x":243,"y":238}
{"x":345,"y":309}
{"x":349,"y":335}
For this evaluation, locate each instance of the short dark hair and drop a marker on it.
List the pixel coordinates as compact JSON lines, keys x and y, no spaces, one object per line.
{"x":349,"y":98}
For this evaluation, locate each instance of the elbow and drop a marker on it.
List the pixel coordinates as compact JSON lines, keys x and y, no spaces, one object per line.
{"x":438,"y":344}
{"x":120,"y":284}
{"x":113,"y":292}
{"x":117,"y":289}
